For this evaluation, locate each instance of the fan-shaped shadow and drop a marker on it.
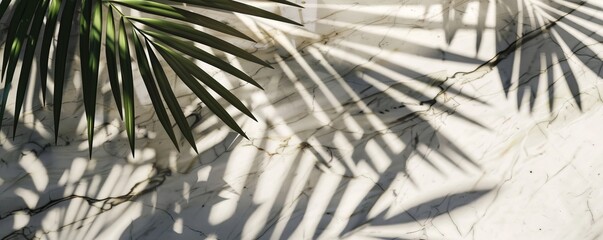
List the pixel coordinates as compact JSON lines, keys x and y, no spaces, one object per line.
{"x":346,"y":127}
{"x":345,"y":133}
{"x":355,"y":114}
{"x":424,"y":211}
{"x":548,"y":43}
{"x":536,"y":41}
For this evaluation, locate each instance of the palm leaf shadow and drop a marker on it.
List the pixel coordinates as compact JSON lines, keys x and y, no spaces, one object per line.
{"x":92,"y":24}
{"x":398,"y":112}
{"x":533,"y":38}
{"x":317,"y":95}
{"x":401,"y":122}
{"x":551,"y":36}
{"x":423,"y":211}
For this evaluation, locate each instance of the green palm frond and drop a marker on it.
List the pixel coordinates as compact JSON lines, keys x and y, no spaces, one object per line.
{"x":166,"y":30}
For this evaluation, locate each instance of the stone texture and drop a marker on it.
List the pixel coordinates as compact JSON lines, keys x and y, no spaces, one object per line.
{"x":448,"y":119}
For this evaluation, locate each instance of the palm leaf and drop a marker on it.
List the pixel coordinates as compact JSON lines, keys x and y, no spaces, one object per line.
{"x":3,"y":7}
{"x":60,"y":62}
{"x":51,"y":20}
{"x":30,"y":48}
{"x":165,"y":10}
{"x":193,"y":51}
{"x":195,"y":71}
{"x":17,"y":34}
{"x":11,"y":42}
{"x":190,"y":33}
{"x":90,"y":43}
{"x":166,"y":29}
{"x":233,"y":6}
{"x":170,"y":99}
{"x":111,"y":56}
{"x":173,"y":60}
{"x":127,"y":82}
{"x":149,"y":81}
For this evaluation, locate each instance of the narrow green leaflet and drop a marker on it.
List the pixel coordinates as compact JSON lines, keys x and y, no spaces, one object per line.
{"x":165,"y":10}
{"x":11,"y":43}
{"x":43,"y":31}
{"x":85,"y":16}
{"x":51,"y":20}
{"x":188,"y":32}
{"x":193,"y":51}
{"x":234,"y":6}
{"x":3,"y":6}
{"x":170,"y":99}
{"x":111,"y":58}
{"x":195,"y":71}
{"x":127,"y":82}
{"x":61,"y":61}
{"x":92,"y":26}
{"x":16,"y":43}
{"x":30,"y":48}
{"x":86,"y":71}
{"x":149,"y":81}
{"x":196,"y":87}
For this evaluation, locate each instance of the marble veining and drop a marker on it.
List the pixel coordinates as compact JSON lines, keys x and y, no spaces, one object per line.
{"x":389,"y":119}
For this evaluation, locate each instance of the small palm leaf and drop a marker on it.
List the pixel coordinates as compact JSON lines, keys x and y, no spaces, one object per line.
{"x":167,"y":31}
{"x":32,"y":41}
{"x":25,"y":11}
{"x":127,"y":81}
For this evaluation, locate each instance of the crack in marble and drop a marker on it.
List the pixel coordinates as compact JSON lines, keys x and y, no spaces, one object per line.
{"x":417,"y":126}
{"x":107,"y":203}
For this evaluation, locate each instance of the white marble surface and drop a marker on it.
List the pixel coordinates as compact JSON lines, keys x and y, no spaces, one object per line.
{"x":389,"y":119}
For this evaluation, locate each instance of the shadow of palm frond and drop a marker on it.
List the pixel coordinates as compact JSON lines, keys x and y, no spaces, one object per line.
{"x":341,"y":127}
{"x":419,"y":213}
{"x":538,"y":43}
{"x":42,"y":180}
{"x":543,"y":43}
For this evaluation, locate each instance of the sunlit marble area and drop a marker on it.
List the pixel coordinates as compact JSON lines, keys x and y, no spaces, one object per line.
{"x":388,"y":119}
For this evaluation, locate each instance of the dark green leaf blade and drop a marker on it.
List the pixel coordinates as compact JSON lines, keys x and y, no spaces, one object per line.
{"x":63,"y":43}
{"x":196,"y":87}
{"x":90,"y":39}
{"x":165,"y":10}
{"x":111,"y":58}
{"x":86,"y":71}
{"x":194,"y":70}
{"x":193,"y":51}
{"x":195,"y":35}
{"x":127,"y":82}
{"x":234,"y":6}
{"x":12,"y":32}
{"x":85,"y":16}
{"x":27,"y":62}
{"x":149,"y":81}
{"x":51,"y":23}
{"x":3,"y":6}
{"x":170,"y":99}
{"x":16,"y":45}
